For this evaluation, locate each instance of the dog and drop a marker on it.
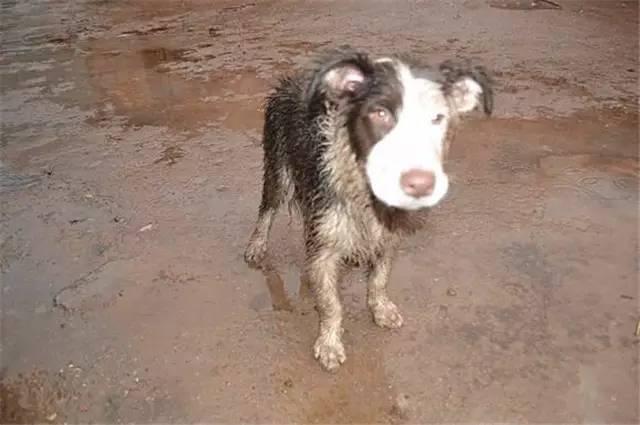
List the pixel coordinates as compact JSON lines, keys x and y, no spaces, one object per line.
{"x":357,"y":144}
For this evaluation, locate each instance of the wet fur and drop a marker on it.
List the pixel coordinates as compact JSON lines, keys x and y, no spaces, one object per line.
{"x":314,"y":152}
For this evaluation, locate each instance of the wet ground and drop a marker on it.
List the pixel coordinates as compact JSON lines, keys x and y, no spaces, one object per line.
{"x":129,"y":182}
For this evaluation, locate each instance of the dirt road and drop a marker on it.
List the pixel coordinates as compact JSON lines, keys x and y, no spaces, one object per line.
{"x":129,"y":182}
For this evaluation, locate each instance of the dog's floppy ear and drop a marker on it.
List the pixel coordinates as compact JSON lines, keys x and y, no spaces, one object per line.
{"x":339,"y":73}
{"x":467,"y":85}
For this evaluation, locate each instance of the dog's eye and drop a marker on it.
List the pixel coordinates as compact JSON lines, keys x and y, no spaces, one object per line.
{"x":438,"y":119}
{"x":381,"y":115}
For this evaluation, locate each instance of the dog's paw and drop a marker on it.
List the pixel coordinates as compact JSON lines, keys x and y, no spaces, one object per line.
{"x":329,"y":352}
{"x":255,"y":253}
{"x":386,"y":315}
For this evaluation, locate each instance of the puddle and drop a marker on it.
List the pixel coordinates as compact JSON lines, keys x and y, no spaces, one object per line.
{"x":555,"y":165}
{"x":144,"y":87}
{"x":597,"y":177}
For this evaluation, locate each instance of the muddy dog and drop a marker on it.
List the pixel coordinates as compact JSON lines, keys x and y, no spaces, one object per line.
{"x":357,"y":144}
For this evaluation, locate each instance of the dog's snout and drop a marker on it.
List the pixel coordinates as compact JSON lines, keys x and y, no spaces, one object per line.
{"x":418,"y":183}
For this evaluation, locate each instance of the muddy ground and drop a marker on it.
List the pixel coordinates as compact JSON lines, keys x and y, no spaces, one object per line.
{"x":129,"y":182}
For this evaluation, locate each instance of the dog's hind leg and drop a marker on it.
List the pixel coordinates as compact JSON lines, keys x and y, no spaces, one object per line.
{"x":273,"y":193}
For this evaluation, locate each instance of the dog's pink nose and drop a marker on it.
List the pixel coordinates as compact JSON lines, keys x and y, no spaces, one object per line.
{"x":417,"y":183}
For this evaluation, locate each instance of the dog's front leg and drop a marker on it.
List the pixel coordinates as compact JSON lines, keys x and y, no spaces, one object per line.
{"x":384,"y":311}
{"x":323,"y":272}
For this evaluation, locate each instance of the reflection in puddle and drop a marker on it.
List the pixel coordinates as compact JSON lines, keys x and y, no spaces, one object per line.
{"x":279,"y":294}
{"x":275,"y":285}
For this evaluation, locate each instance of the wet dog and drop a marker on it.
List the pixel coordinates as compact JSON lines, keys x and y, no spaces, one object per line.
{"x":357,"y":143}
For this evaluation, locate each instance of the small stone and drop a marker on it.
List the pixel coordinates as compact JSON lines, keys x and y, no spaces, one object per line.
{"x":452,"y":292}
{"x":52,"y":417}
{"x":288,"y":383}
{"x":146,"y":228}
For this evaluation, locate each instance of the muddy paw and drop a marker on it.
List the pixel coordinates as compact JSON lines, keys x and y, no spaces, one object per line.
{"x":386,"y":315}
{"x":330,"y":354}
{"x":255,"y":253}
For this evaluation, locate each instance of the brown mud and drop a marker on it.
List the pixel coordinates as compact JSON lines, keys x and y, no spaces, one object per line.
{"x":129,"y":184}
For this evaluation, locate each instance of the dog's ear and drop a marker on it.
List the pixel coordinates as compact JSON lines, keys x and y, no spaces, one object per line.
{"x":344,"y":79}
{"x":467,"y":86}
{"x":340,"y":73}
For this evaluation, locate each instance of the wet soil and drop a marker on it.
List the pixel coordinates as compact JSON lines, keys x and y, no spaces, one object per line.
{"x":129,"y":183}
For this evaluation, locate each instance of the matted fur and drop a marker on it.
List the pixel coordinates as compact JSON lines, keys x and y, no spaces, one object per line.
{"x":316,"y":141}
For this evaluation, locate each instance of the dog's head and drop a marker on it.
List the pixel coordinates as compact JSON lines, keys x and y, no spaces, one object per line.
{"x":398,"y":117}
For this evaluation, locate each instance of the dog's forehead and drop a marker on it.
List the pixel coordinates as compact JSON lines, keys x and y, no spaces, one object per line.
{"x":421,"y":88}
{"x":430,"y":93}
{"x":414,"y":68}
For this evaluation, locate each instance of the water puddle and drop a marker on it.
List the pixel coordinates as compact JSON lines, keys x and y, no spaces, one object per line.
{"x":144,"y":87}
{"x":598,"y":177}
